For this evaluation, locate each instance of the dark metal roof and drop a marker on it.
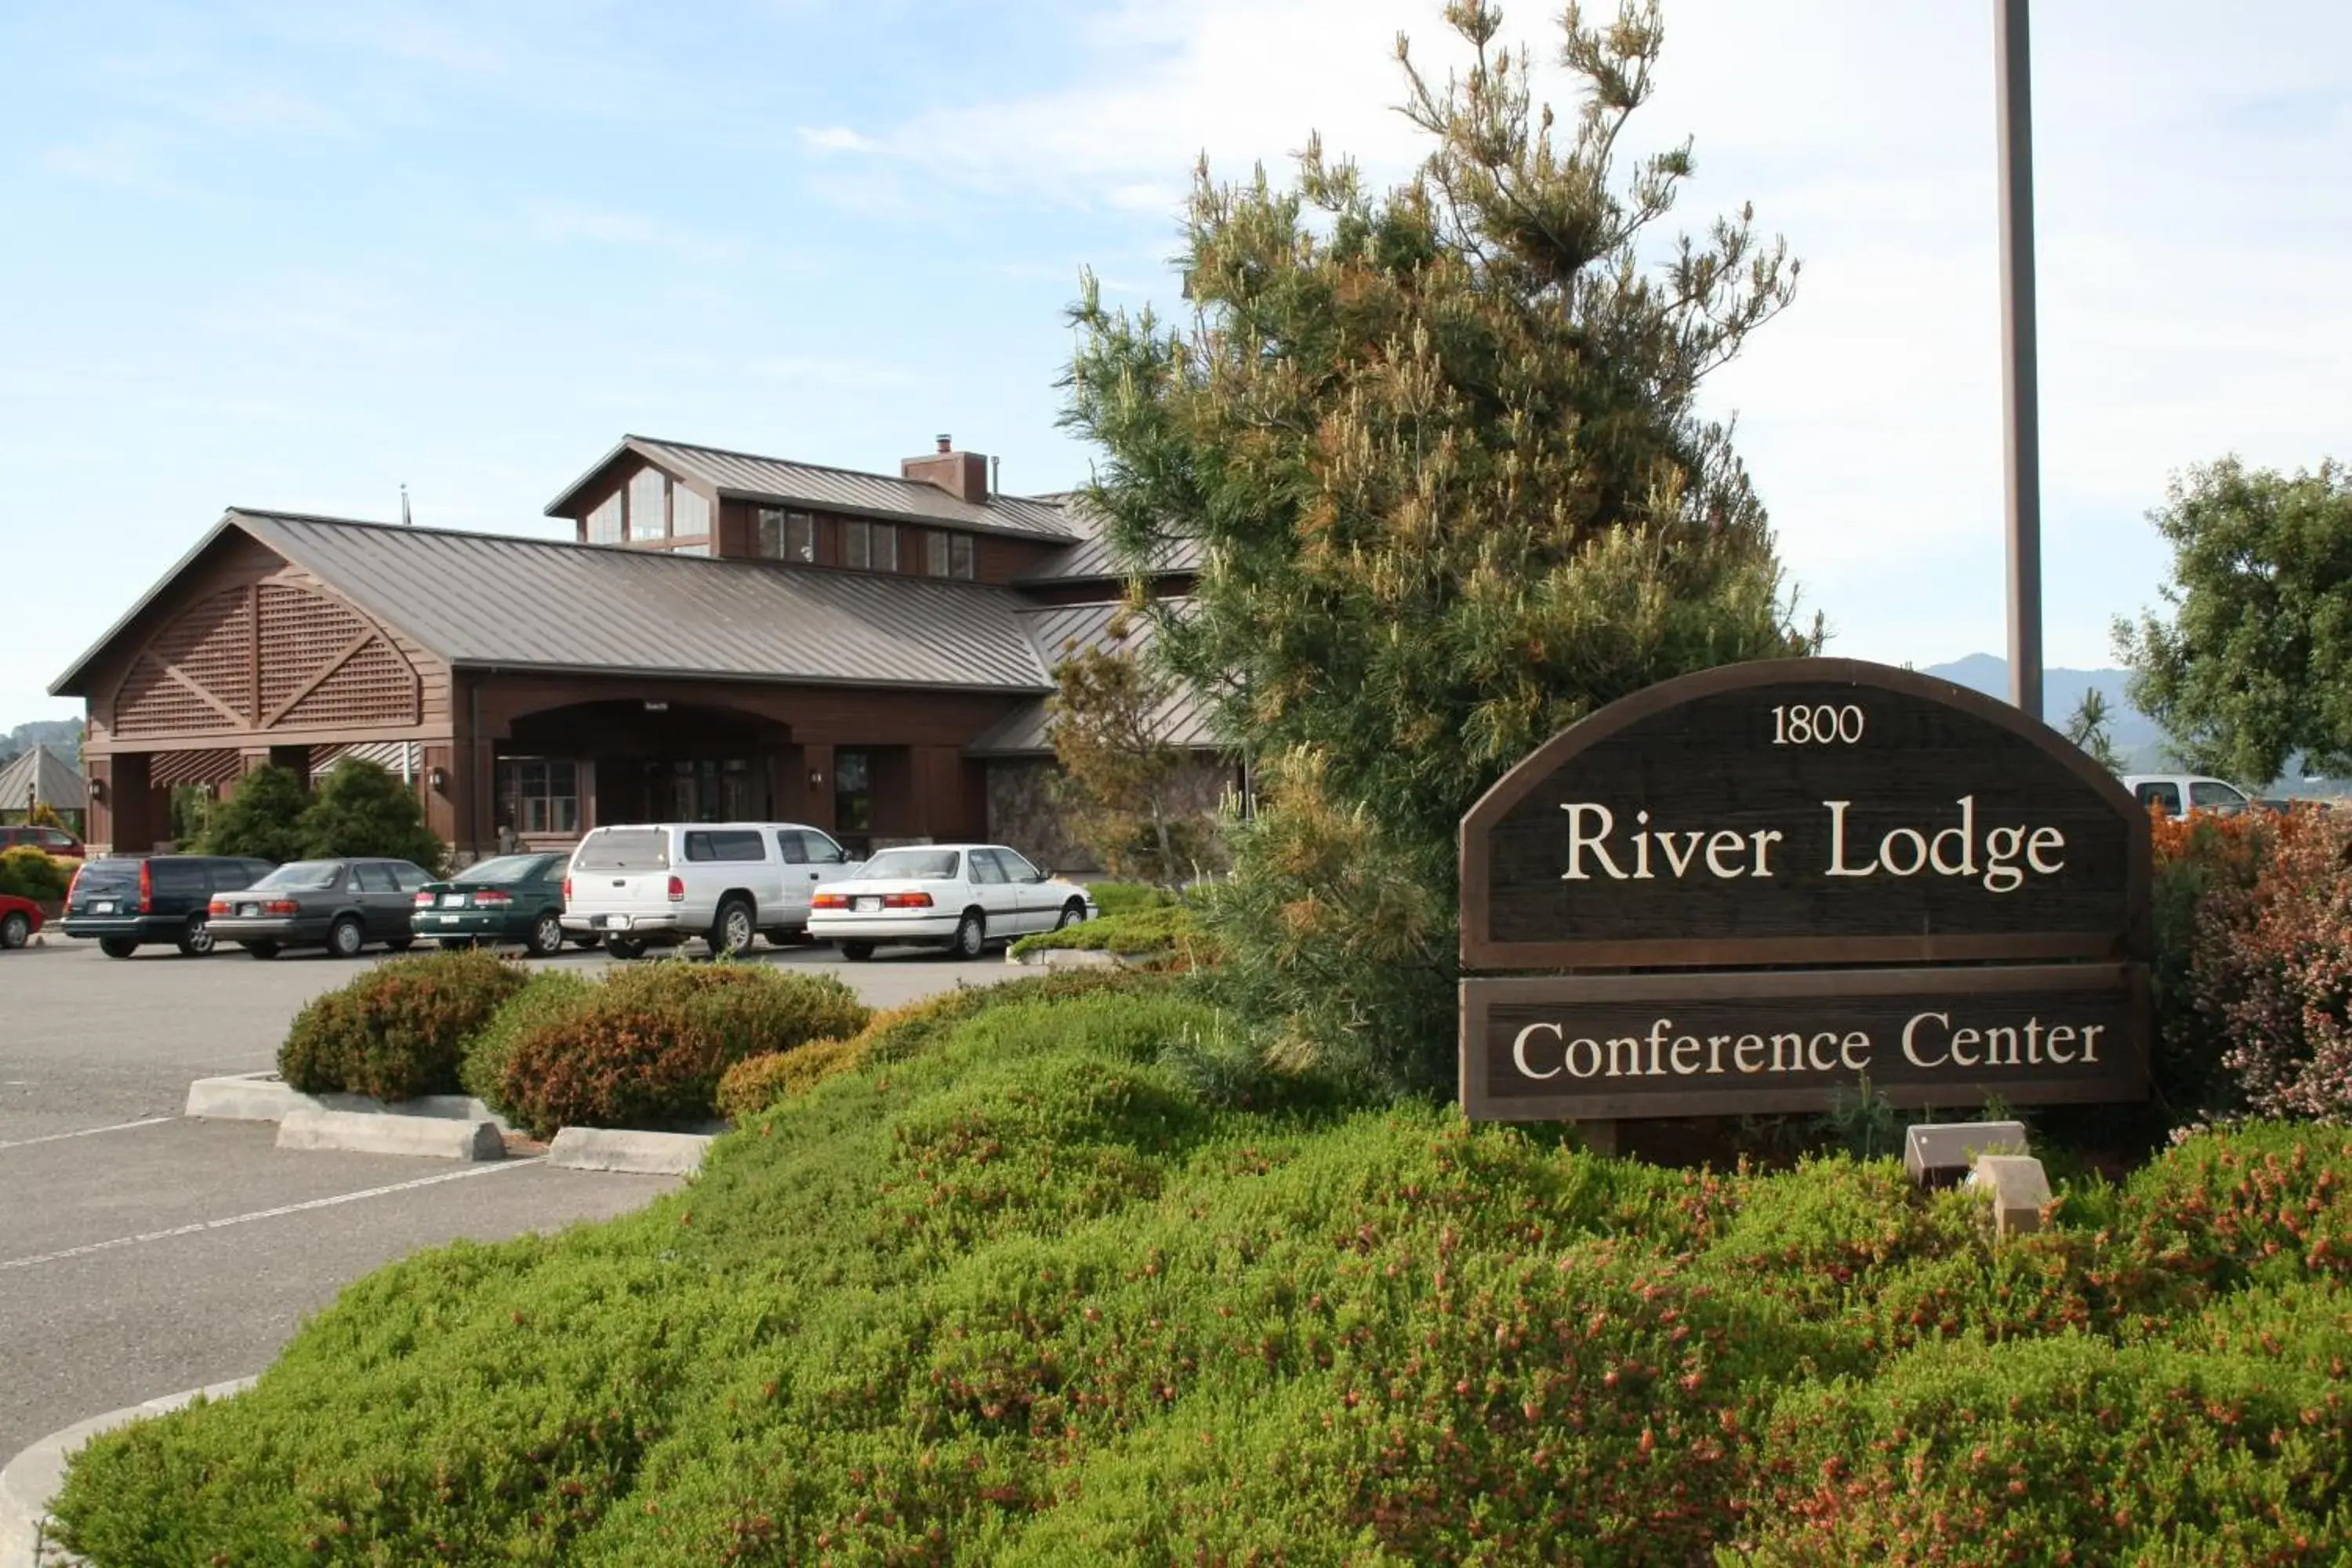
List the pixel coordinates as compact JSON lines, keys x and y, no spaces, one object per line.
{"x":774,"y":480}
{"x":1093,"y":560}
{"x":479,"y":600}
{"x":1059,"y":629}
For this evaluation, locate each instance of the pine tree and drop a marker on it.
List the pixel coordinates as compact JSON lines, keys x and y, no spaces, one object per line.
{"x":261,"y":817}
{"x":2089,"y":728}
{"x":1442,"y":452}
{"x":362,"y":809}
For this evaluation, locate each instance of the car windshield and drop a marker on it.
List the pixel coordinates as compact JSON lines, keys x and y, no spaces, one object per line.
{"x":505,"y":869}
{"x":624,"y":849}
{"x":304,"y":875}
{"x":912,"y":865}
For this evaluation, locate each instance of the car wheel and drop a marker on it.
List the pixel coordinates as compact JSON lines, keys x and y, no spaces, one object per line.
{"x":1072,"y":913}
{"x":346,"y":937}
{"x":117,"y":946}
{"x":971,"y":936}
{"x":196,"y":942}
{"x":262,"y":949}
{"x":858,"y":952}
{"x":15,"y":930}
{"x":732,"y":932}
{"x":546,"y":935}
{"x":625,"y":946}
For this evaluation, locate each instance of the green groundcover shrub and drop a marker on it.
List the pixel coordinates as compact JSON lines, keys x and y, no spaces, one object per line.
{"x":1155,"y":929}
{"x":1126,"y":897}
{"x":647,"y":1045}
{"x":399,"y":1030}
{"x":1008,"y":1289}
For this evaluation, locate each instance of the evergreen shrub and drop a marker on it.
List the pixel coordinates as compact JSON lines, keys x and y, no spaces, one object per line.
{"x":362,"y":809}
{"x":30,"y":872}
{"x":649,"y":1044}
{"x":548,"y":996}
{"x":400,"y":1029}
{"x":1156,"y":928}
{"x":262,"y":817}
{"x":755,"y":1083}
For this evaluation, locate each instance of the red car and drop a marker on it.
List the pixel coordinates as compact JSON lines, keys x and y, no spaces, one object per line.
{"x":19,"y":919}
{"x":54,"y":840}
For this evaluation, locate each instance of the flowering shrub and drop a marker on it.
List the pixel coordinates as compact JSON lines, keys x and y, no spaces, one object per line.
{"x":649,"y":1044}
{"x":398,"y":1030}
{"x":2254,"y":964}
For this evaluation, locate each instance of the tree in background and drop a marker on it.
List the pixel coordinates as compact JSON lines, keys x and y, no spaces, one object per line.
{"x":1117,"y":770}
{"x":2254,"y":661}
{"x":362,"y":809}
{"x":1441,"y":451}
{"x":262,"y":817}
{"x":2089,"y":728}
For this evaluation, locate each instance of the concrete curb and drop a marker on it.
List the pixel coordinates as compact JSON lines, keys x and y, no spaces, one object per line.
{"x":31,"y":1478}
{"x":637,"y":1154}
{"x":361,"y":1132}
{"x":266,"y":1097}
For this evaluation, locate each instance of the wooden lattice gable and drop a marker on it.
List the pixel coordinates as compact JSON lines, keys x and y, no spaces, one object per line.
{"x":278,"y":653}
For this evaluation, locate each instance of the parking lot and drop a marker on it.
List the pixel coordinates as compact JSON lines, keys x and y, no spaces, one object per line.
{"x":141,"y":1253}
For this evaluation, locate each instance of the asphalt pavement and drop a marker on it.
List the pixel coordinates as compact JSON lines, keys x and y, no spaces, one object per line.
{"x":143,"y":1253}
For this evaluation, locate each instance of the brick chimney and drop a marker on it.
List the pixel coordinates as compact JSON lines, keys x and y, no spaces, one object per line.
{"x":963,"y":475}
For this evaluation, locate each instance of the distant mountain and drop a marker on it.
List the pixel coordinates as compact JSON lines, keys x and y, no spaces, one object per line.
{"x":62,"y":733}
{"x":2135,"y":734}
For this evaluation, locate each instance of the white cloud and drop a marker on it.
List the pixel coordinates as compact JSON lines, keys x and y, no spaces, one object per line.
{"x":836,"y":139}
{"x":565,"y":223}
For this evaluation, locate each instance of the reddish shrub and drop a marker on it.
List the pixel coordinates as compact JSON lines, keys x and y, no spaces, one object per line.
{"x":2268,"y":984}
{"x":650,"y":1044}
{"x":399,"y":1030}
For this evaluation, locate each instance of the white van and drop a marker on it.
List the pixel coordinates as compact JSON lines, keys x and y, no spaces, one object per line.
{"x":659,"y":884}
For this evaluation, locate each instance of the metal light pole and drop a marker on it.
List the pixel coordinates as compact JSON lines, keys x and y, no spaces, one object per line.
{"x":2021,"y":401}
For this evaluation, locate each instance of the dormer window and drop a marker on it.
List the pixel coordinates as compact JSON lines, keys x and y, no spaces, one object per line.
{"x":781,"y":535}
{"x":648,"y":516}
{"x":946,"y":553}
{"x":870,"y":546}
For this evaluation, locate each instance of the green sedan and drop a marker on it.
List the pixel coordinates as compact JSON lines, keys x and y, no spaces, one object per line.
{"x":515,"y":897}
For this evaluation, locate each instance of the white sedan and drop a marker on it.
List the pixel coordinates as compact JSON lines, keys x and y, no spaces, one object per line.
{"x":958,"y":896}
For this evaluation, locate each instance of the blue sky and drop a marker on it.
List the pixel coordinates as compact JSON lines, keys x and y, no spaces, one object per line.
{"x":296,"y":255}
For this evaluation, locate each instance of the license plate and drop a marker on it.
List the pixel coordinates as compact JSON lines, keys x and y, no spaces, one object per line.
{"x":611,"y":922}
{"x":453,"y":900}
{"x":104,"y":907}
{"x":248,"y":911}
{"x":868,"y":906}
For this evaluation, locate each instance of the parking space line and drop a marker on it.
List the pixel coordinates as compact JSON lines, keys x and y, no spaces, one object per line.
{"x":86,"y":1132}
{"x":486,"y":1169}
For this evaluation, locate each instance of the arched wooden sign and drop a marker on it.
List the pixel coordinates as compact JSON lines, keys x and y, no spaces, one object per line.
{"x":1763,"y":823}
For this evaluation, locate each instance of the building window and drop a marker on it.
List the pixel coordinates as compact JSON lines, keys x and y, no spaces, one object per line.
{"x":689,"y":514}
{"x":604,"y":523}
{"x":960,"y":555}
{"x":934,"y":553}
{"x":857,"y":544}
{"x":853,"y":792}
{"x":649,"y":516}
{"x":781,"y":535}
{"x":885,"y":548}
{"x":539,"y":794}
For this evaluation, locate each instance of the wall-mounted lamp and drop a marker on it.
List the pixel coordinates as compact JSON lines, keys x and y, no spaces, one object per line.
{"x":439,"y":777}
{"x":816,"y":779}
{"x":98,"y":789}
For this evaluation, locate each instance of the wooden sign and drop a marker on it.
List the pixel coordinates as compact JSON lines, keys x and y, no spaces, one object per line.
{"x":1767,"y":841}
{"x":1803,"y":811}
{"x":1610,"y":1047}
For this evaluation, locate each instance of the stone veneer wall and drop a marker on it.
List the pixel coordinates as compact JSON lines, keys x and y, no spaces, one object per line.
{"x":1023,"y":810}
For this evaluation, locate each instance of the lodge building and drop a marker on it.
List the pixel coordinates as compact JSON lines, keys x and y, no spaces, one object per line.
{"x":726,"y":636}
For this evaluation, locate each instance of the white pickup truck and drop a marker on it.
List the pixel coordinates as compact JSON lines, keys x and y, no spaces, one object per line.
{"x":659,"y":884}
